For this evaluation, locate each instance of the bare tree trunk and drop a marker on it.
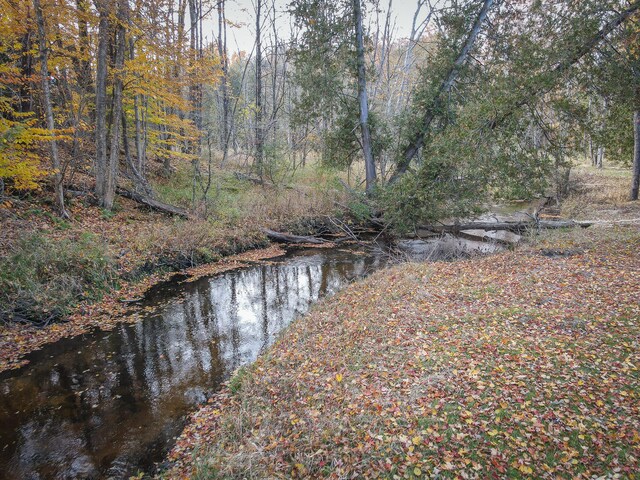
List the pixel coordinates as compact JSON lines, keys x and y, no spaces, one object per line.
{"x":635,"y":184}
{"x":83,"y":64}
{"x":193,"y":54}
{"x":222,"y":53}
{"x":600,"y":157}
{"x":416,"y":32}
{"x":101,"y":171}
{"x":259,"y":160}
{"x":139,"y":143}
{"x":370,"y":168}
{"x":385,"y":50}
{"x":46,"y":97}
{"x":114,"y":156}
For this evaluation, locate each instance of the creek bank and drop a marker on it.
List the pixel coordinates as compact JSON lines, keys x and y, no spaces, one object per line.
{"x":234,"y":251}
{"x":18,"y":340}
{"x":137,"y":276}
{"x":491,"y":367}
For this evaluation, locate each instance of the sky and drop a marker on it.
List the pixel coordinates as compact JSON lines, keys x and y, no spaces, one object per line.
{"x":241,"y":13}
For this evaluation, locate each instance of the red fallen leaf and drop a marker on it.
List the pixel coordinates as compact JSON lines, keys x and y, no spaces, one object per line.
{"x":498,"y":465}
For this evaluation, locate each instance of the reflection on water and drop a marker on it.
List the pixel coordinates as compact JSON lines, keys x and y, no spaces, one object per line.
{"x":109,"y":403}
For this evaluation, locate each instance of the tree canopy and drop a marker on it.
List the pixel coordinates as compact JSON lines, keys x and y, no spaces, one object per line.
{"x":485,"y":99}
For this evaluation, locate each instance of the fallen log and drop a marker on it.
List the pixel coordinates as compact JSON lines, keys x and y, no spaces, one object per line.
{"x":153,"y":204}
{"x":516,"y":227}
{"x":504,"y":237}
{"x":248,"y":178}
{"x":287,"y":238}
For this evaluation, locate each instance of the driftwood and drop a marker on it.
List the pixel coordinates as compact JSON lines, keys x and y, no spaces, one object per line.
{"x":515,"y":227}
{"x":287,"y":238}
{"x":153,"y":204}
{"x":504,"y":237}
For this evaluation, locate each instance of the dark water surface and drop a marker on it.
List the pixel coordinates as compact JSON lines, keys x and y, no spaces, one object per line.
{"x":108,"y":404}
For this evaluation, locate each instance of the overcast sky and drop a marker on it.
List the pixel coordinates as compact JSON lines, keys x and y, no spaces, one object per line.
{"x":242,"y":14}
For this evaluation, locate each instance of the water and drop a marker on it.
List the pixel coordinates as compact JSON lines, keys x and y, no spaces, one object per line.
{"x":109,"y":404}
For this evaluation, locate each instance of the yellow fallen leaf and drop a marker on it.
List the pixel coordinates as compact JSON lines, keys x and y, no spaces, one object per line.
{"x":526,"y":469}
{"x":417,"y":472}
{"x":493,"y":433}
{"x":417,"y":440}
{"x":339,"y":377}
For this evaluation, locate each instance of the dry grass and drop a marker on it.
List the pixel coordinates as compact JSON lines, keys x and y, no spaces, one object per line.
{"x":311,"y":192}
{"x":600,"y":195}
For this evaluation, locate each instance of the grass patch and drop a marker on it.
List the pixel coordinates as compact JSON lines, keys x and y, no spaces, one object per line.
{"x":235,"y":383}
{"x":597,"y":194}
{"x":311,"y":192}
{"x":44,"y":278}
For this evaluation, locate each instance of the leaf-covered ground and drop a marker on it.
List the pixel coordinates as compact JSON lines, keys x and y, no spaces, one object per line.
{"x":523,"y":364}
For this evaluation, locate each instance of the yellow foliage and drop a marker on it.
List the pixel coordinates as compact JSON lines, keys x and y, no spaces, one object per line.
{"x":18,"y":161}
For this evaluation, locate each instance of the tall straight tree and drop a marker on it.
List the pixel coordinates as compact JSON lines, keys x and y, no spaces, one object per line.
{"x":105,"y":183}
{"x":116,"y":104}
{"x":370,"y":168}
{"x":259,"y":131}
{"x":46,"y":100}
{"x":224,"y":81}
{"x":107,"y":161}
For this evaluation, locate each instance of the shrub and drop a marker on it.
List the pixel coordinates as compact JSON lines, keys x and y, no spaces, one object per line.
{"x":44,"y":278}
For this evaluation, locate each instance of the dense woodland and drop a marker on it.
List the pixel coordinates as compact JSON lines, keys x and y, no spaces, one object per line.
{"x":492,"y":98}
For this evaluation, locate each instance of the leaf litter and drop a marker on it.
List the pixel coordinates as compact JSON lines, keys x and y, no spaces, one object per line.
{"x":515,"y":365}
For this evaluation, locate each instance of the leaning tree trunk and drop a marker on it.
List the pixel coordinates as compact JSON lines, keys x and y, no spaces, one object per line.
{"x":635,"y":184}
{"x":370,"y":168}
{"x":46,"y":97}
{"x":432,"y":107}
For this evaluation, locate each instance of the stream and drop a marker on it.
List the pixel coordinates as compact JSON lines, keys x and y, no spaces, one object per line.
{"x":109,"y":404}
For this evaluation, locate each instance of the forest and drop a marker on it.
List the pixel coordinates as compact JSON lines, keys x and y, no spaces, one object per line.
{"x":149,"y":145}
{"x":482,"y":99}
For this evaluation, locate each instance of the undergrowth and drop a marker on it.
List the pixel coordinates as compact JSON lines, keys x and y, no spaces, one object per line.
{"x":44,"y":278}
{"x":313,"y":191}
